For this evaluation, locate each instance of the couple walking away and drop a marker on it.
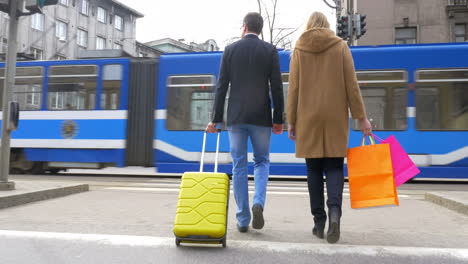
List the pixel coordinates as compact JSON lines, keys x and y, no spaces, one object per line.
{"x":322,"y":86}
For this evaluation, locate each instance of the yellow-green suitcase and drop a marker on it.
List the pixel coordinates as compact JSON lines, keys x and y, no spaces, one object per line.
{"x":202,"y":208}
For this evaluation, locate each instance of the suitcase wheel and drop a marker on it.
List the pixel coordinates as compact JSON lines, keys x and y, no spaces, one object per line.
{"x":223,"y":242}
{"x":177,"y":242}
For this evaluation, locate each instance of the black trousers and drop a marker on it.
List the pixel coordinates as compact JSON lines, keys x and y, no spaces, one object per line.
{"x":332,"y":168}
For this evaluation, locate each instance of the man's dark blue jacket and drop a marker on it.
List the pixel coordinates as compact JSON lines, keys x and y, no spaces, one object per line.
{"x":251,"y":66}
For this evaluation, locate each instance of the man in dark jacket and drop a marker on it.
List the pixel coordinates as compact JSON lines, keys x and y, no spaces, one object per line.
{"x":251,"y":67}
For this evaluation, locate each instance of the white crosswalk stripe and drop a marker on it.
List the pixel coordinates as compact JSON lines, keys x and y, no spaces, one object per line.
{"x":96,"y":244}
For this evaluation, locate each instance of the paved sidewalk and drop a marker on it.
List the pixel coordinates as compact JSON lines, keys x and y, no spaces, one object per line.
{"x":457,"y":201}
{"x":33,"y":191}
{"x":147,"y":211}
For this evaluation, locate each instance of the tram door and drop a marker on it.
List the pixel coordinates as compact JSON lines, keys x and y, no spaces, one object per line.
{"x":141,"y":104}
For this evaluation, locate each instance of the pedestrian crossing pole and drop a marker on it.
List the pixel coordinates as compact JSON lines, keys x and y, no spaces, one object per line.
{"x":352,"y":10}
{"x":8,"y":86}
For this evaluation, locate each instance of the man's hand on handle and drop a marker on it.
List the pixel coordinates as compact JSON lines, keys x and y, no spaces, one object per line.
{"x":278,"y":129}
{"x":211,"y":128}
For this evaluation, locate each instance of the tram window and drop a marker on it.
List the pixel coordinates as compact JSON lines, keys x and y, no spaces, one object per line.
{"x":28,"y":87}
{"x":385,"y":96}
{"x":71,"y":87}
{"x":442,"y":99}
{"x":189,"y":101}
{"x":111,"y":85}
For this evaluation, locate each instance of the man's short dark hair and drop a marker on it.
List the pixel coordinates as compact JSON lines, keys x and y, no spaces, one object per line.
{"x":254,"y":22}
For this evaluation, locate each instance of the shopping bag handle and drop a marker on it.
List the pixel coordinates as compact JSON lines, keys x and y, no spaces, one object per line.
{"x":376,"y":137}
{"x":370,"y":138}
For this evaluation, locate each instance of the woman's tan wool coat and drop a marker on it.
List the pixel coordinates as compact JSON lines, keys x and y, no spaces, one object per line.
{"x":322,"y":85}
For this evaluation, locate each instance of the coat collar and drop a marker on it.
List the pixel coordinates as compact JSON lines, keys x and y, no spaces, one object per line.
{"x":251,"y":36}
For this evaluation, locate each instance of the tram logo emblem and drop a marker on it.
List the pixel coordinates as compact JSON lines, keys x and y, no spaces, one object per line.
{"x":69,"y":129}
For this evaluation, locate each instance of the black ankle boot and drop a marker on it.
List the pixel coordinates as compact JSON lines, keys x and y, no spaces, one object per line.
{"x":318,"y":232}
{"x":333,"y":233}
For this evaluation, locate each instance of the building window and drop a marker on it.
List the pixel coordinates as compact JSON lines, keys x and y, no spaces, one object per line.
{"x":405,"y":35}
{"x":82,"y":38}
{"x":101,"y":15}
{"x":37,"y":21}
{"x":118,"y":46}
{"x":3,"y":45}
{"x":84,"y":7}
{"x":141,"y":54}
{"x":100,"y":43}
{"x":119,"y":22}
{"x":63,"y":2}
{"x":460,"y":33}
{"x":61,"y":30}
{"x":37,"y":53}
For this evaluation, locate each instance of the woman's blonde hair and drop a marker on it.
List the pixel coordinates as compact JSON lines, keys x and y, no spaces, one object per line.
{"x":317,"y":20}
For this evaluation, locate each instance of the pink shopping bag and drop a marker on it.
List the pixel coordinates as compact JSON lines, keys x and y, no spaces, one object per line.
{"x":403,"y":167}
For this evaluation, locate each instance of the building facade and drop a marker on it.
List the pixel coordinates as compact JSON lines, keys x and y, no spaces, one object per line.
{"x":168,"y":45}
{"x":143,"y":50}
{"x":73,"y":25}
{"x":412,"y":21}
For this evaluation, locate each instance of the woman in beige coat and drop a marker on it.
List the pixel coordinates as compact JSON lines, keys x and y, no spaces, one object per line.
{"x":322,"y":85}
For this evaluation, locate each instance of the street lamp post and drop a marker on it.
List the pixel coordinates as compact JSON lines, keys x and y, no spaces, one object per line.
{"x":8,"y":86}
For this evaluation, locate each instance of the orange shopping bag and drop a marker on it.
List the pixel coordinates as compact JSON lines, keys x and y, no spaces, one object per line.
{"x":370,"y":175}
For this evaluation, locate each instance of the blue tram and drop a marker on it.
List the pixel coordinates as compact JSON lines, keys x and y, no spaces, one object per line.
{"x":151,"y":112}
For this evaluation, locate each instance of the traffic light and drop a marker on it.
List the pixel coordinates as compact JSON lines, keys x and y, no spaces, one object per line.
{"x":35,"y":6}
{"x":344,"y":27}
{"x":360,"y":25}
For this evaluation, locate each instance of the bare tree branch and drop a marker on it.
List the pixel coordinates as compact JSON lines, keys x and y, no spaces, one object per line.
{"x":268,"y":18}
{"x":272,"y":27}
{"x":280,"y":30}
{"x":260,"y":12}
{"x":286,"y":35}
{"x":277,"y":35}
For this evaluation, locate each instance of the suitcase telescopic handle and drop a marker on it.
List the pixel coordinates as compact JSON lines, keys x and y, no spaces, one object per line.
{"x":217,"y":151}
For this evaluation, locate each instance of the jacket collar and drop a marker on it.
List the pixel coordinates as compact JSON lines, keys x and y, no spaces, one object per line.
{"x":251,"y":36}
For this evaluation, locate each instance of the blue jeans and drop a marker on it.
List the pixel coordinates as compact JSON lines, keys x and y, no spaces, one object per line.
{"x":260,"y":139}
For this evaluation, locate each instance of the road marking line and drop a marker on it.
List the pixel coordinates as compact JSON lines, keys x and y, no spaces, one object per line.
{"x":145,"y":189}
{"x":286,"y":247}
